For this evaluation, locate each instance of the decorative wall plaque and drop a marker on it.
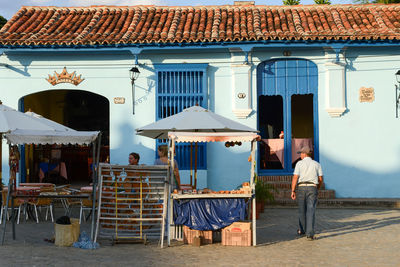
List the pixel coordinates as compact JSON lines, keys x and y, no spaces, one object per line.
{"x":367,"y":94}
{"x":64,"y":77}
{"x":119,"y":100}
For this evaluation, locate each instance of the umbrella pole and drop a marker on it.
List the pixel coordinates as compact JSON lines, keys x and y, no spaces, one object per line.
{"x":1,"y":158}
{"x":95,"y":165}
{"x":191,"y":163}
{"x":195,"y":165}
{"x":13,"y":158}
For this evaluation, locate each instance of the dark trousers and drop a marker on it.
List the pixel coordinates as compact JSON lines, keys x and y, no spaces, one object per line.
{"x":307,"y":197}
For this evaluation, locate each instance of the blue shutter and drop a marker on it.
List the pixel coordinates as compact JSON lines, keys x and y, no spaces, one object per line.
{"x":180,"y":86}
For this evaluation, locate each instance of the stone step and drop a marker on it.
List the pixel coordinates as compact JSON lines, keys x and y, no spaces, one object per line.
{"x":393,"y":203}
{"x":276,"y":178}
{"x":284,"y":185}
{"x":286,"y":194}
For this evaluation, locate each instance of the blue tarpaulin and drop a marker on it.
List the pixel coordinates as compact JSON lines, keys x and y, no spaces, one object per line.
{"x":209,"y":214}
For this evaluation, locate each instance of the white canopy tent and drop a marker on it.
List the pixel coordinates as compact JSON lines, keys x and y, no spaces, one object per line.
{"x":21,"y":137}
{"x":193,"y":119}
{"x":181,"y":137}
{"x":55,"y":133}
{"x":31,"y":128}
{"x":11,"y":119}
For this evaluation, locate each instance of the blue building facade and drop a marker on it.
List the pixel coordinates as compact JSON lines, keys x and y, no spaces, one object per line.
{"x":336,"y":95}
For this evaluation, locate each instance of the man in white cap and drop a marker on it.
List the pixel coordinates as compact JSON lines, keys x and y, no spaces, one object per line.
{"x":308,"y":178}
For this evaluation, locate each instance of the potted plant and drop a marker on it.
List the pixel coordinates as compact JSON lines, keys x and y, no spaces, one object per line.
{"x":264,"y":193}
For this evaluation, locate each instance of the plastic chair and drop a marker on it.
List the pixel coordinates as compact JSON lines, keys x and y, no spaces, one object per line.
{"x":83,"y":204}
{"x":43,"y":202}
{"x":18,"y":203}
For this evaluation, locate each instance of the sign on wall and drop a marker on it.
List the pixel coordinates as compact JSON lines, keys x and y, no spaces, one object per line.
{"x":119,"y":100}
{"x":64,"y":77}
{"x":367,"y":94}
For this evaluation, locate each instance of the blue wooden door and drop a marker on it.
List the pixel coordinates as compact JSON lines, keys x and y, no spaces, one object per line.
{"x":288,"y":78}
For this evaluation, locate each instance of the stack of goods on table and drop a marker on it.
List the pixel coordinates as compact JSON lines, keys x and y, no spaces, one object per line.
{"x":245,"y":189}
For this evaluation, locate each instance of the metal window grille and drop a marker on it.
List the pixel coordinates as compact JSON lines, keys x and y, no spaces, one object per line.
{"x":177,"y":90}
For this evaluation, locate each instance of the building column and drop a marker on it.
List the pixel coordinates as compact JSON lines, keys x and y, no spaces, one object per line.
{"x":335,"y":84}
{"x":241,"y":84}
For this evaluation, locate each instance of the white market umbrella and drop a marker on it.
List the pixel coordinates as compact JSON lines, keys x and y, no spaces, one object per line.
{"x":20,"y":137}
{"x":193,"y":119}
{"x":54,"y":125}
{"x":11,"y":119}
{"x":58,"y":134}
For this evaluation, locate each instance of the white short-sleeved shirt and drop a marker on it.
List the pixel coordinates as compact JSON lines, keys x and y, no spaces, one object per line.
{"x":308,"y":170}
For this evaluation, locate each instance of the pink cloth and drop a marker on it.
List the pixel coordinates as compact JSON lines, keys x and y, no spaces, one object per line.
{"x":37,"y":184}
{"x":297,"y":144}
{"x":277,"y":146}
{"x":60,"y":168}
{"x":87,"y":188}
{"x":26,"y":190}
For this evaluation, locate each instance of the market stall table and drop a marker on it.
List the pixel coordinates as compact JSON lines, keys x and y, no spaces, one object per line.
{"x":37,"y":184}
{"x":210,"y":211}
{"x":18,"y":195}
{"x":204,"y":212}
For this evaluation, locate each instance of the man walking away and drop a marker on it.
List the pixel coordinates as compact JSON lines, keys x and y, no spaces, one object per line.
{"x":308,"y":177}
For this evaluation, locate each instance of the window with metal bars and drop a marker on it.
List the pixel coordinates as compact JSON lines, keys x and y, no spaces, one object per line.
{"x":181,"y":86}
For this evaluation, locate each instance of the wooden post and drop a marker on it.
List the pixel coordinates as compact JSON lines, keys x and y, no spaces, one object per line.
{"x":1,"y":158}
{"x":164,"y":212}
{"x":191,"y":164}
{"x":93,"y":188}
{"x":171,"y":166}
{"x":252,"y":176}
{"x":195,"y":166}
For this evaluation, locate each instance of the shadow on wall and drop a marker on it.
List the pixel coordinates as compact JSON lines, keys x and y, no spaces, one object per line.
{"x":353,"y":182}
{"x":120,"y":154}
{"x":230,"y":168}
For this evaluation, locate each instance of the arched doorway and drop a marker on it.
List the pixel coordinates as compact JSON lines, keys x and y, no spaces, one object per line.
{"x":287,"y":91}
{"x":79,"y":110}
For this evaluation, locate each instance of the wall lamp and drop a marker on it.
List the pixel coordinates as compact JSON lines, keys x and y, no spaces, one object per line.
{"x":134,"y":74}
{"x":397,"y":93}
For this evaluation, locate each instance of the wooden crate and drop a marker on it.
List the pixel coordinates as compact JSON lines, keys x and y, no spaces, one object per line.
{"x":188,"y":234}
{"x":237,"y":234}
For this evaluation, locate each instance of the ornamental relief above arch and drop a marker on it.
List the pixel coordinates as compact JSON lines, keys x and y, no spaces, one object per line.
{"x":65,"y":77}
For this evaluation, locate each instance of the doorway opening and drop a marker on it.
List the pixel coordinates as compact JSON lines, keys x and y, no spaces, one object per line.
{"x":287,"y":92}
{"x":272,"y":130}
{"x":302,"y":125}
{"x":270,"y":123}
{"x":79,"y":110}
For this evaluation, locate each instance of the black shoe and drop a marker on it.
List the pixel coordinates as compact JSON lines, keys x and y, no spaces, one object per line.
{"x":300,"y":233}
{"x":310,"y":238}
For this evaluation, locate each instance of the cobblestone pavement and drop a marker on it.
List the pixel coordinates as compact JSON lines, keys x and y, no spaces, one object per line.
{"x":346,"y":237}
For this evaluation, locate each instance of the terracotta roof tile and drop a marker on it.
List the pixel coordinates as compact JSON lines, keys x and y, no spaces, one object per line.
{"x":159,"y":24}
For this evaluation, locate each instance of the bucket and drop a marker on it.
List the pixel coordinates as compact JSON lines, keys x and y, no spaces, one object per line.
{"x":66,"y":234}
